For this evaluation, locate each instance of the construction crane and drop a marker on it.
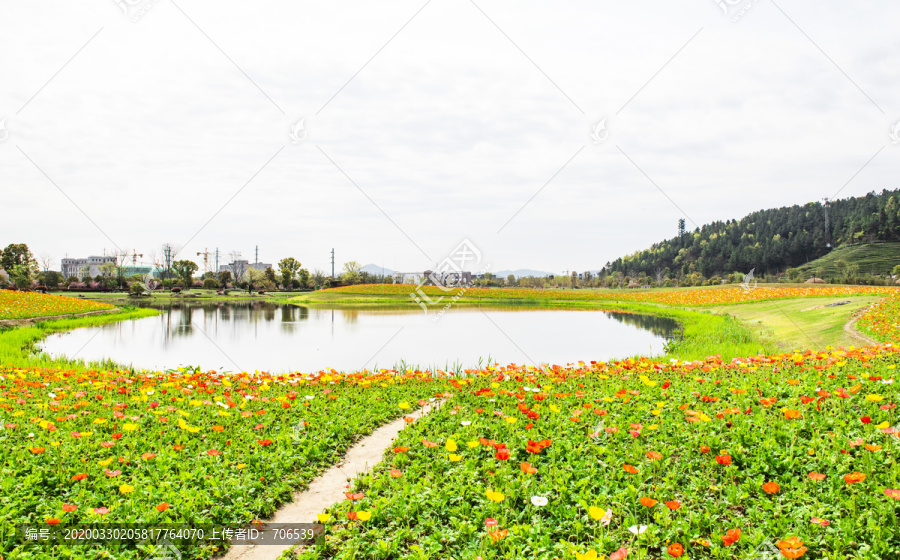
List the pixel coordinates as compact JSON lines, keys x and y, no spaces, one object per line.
{"x":205,"y":254}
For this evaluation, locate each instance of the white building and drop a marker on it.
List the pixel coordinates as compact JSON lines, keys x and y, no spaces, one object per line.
{"x":245,"y":265}
{"x":77,"y":267}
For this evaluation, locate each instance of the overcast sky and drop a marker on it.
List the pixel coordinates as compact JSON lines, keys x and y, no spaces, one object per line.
{"x":429,"y":122}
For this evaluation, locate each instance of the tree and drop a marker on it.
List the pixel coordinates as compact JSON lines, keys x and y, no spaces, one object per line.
{"x":896,"y":271}
{"x":107,"y":275}
{"x":351,"y":272}
{"x":254,"y":278}
{"x":185,"y":270}
{"x":210,"y":284}
{"x":238,"y":267}
{"x":20,"y":264}
{"x":224,"y":278}
{"x":270,"y":277}
{"x":511,"y":280}
{"x":318,"y":278}
{"x":288,"y":267}
{"x":46,"y":262}
{"x":303,"y":277}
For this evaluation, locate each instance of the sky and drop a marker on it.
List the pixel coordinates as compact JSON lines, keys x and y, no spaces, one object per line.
{"x":546,"y":136}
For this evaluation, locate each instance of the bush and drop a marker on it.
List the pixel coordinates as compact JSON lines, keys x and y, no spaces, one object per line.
{"x":210,"y":284}
{"x":176,"y":289}
{"x":136,"y":289}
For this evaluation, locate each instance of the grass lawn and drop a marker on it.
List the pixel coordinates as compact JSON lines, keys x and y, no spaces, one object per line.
{"x":803,"y":323}
{"x":877,"y":258}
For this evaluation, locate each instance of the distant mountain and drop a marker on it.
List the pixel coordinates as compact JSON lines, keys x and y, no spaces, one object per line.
{"x":377,"y":270}
{"x":519,"y":273}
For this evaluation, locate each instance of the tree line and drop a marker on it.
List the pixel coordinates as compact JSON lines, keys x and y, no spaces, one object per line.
{"x":769,"y":241}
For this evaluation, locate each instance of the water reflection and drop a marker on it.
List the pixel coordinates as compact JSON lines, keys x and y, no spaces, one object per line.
{"x":267,"y":336}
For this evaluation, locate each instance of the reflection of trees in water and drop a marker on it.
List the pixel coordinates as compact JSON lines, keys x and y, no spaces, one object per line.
{"x":351,"y":316}
{"x":660,"y":326}
{"x":178,"y":318}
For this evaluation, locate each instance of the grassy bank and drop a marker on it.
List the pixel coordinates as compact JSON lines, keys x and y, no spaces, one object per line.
{"x":17,"y":344}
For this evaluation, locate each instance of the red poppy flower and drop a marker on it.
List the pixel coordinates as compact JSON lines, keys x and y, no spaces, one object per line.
{"x":771,"y":487}
{"x":675,"y":549}
{"x":704,"y":449}
{"x":731,"y":537}
{"x":162,"y":507}
{"x":620,"y":554}
{"x":112,"y":474}
{"x":673,"y":504}
{"x":821,"y":522}
{"x":69,"y":507}
{"x":353,"y":497}
{"x":177,"y":447}
{"x":264,"y":442}
{"x":351,"y":515}
{"x":866,"y":420}
{"x":653,"y":456}
{"x":892,"y":493}
{"x":79,"y":476}
{"x":816,"y":476}
{"x":213,"y":452}
{"x":401,"y":449}
{"x":52,"y":521}
{"x":723,"y":459}
{"x":101,"y":510}
{"x":490,"y":522}
{"x":629,"y":469}
{"x":502,"y":455}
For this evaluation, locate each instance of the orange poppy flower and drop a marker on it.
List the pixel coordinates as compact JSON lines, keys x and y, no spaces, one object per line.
{"x":704,"y":449}
{"x":892,"y":493}
{"x":177,"y":447}
{"x":653,"y":456}
{"x":79,"y":476}
{"x":148,"y":456}
{"x":429,"y":443}
{"x":731,"y":537}
{"x":791,"y":547}
{"x":217,"y":428}
{"x":396,"y":473}
{"x":37,"y":450}
{"x":69,"y":507}
{"x":648,"y":502}
{"x":723,"y":459}
{"x":629,"y":469}
{"x":213,"y":452}
{"x":816,"y":476}
{"x":792,"y":414}
{"x":354,"y":496}
{"x":52,"y":521}
{"x":673,"y":504}
{"x":771,"y":487}
{"x":873,"y":447}
{"x":854,"y":477}
{"x":401,"y":449}
{"x":502,"y":455}
{"x":675,"y":549}
{"x":527,"y":468}
{"x":162,"y":507}
{"x":498,"y":534}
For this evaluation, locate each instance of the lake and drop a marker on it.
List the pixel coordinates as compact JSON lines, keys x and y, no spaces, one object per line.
{"x":248,"y":336}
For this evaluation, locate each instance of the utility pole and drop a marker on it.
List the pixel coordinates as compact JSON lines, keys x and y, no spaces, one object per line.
{"x":827,"y":231}
{"x":257,"y":255}
{"x":217,"y":260}
{"x":332,"y":262}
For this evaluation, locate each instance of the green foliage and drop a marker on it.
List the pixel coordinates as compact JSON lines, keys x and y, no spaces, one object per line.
{"x":288,"y":267}
{"x":185,"y":270}
{"x":210,"y":284}
{"x":772,"y":240}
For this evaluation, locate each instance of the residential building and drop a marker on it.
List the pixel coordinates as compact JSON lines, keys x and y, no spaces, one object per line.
{"x":77,"y":267}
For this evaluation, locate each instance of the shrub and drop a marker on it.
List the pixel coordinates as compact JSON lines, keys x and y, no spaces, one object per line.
{"x":210,"y":284}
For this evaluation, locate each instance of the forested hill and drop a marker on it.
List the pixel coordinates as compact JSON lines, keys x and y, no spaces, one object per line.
{"x":769,"y":240}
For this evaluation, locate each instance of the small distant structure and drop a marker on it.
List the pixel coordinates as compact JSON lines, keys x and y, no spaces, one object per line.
{"x":645,"y":287}
{"x":815,"y":280}
{"x":450,"y":278}
{"x":633,"y":285}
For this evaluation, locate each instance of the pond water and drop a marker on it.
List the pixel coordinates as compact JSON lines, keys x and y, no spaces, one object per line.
{"x":250,"y":336}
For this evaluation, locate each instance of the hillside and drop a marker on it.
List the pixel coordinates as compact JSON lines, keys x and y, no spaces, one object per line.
{"x":876,"y":258}
{"x":770,"y":241}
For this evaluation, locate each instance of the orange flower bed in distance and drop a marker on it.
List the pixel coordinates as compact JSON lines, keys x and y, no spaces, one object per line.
{"x":24,"y":305}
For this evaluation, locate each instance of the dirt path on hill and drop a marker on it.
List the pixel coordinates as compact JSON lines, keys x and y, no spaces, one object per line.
{"x":328,"y":488}
{"x":850,"y":329}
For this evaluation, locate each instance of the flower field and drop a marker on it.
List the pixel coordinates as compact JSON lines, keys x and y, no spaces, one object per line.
{"x":689,"y":298}
{"x":639,"y":459}
{"x":22,"y":305}
{"x":186,"y":446}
